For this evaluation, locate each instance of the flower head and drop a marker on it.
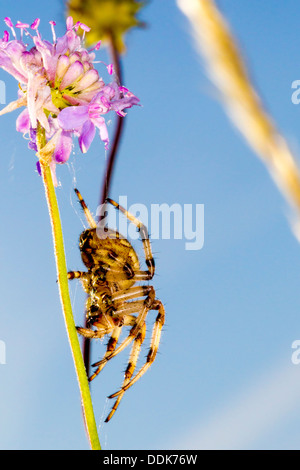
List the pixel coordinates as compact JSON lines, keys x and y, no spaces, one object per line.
{"x":108,"y":18}
{"x":58,"y":83}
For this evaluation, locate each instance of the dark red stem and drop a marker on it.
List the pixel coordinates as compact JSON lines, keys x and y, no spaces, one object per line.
{"x":109,"y":168}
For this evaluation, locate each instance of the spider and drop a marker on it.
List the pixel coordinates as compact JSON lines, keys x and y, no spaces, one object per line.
{"x":114,"y":301}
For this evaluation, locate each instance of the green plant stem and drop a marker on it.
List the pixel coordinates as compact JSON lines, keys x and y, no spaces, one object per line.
{"x":62,"y":280}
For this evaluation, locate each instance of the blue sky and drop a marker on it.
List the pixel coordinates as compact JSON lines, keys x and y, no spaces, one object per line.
{"x":223,"y":377}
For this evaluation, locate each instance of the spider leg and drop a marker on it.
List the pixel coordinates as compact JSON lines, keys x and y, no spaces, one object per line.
{"x":137,"y":323}
{"x":86,"y":211}
{"x":75,"y":274}
{"x":111,"y":351}
{"x":115,"y":275}
{"x":128,"y":320}
{"x":141,"y":275}
{"x":131,"y":293}
{"x":155,"y":340}
{"x":93,"y":334}
{"x":127,"y":309}
{"x":104,"y":327}
{"x":134,"y":354}
{"x":148,"y":302}
{"x":111,"y":346}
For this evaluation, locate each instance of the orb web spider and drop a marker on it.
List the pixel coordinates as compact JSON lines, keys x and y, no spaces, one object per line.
{"x":114,"y":301}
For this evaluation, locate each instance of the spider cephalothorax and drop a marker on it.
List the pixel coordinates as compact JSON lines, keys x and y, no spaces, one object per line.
{"x":114,"y":301}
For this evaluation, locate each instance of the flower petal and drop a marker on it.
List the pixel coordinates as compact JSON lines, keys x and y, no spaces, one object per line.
{"x":45,"y":154}
{"x":73,"y":117}
{"x":53,"y":173}
{"x":74,"y":72}
{"x":46,"y":50}
{"x":100,"y":123}
{"x":63,"y":148}
{"x":14,"y":105}
{"x":87,"y":135}
{"x":23,"y":122}
{"x":127,"y":101}
{"x":62,"y":66}
{"x":88,"y":79}
{"x":6,"y":64}
{"x":38,"y":168}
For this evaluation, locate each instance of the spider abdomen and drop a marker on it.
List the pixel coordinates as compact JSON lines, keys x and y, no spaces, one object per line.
{"x":109,"y":259}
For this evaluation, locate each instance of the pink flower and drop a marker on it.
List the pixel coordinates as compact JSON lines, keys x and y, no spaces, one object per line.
{"x":52,"y":76}
{"x":60,"y":87}
{"x":86,"y":118}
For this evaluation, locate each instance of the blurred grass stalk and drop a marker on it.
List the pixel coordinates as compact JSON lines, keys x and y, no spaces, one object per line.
{"x":228,"y":72}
